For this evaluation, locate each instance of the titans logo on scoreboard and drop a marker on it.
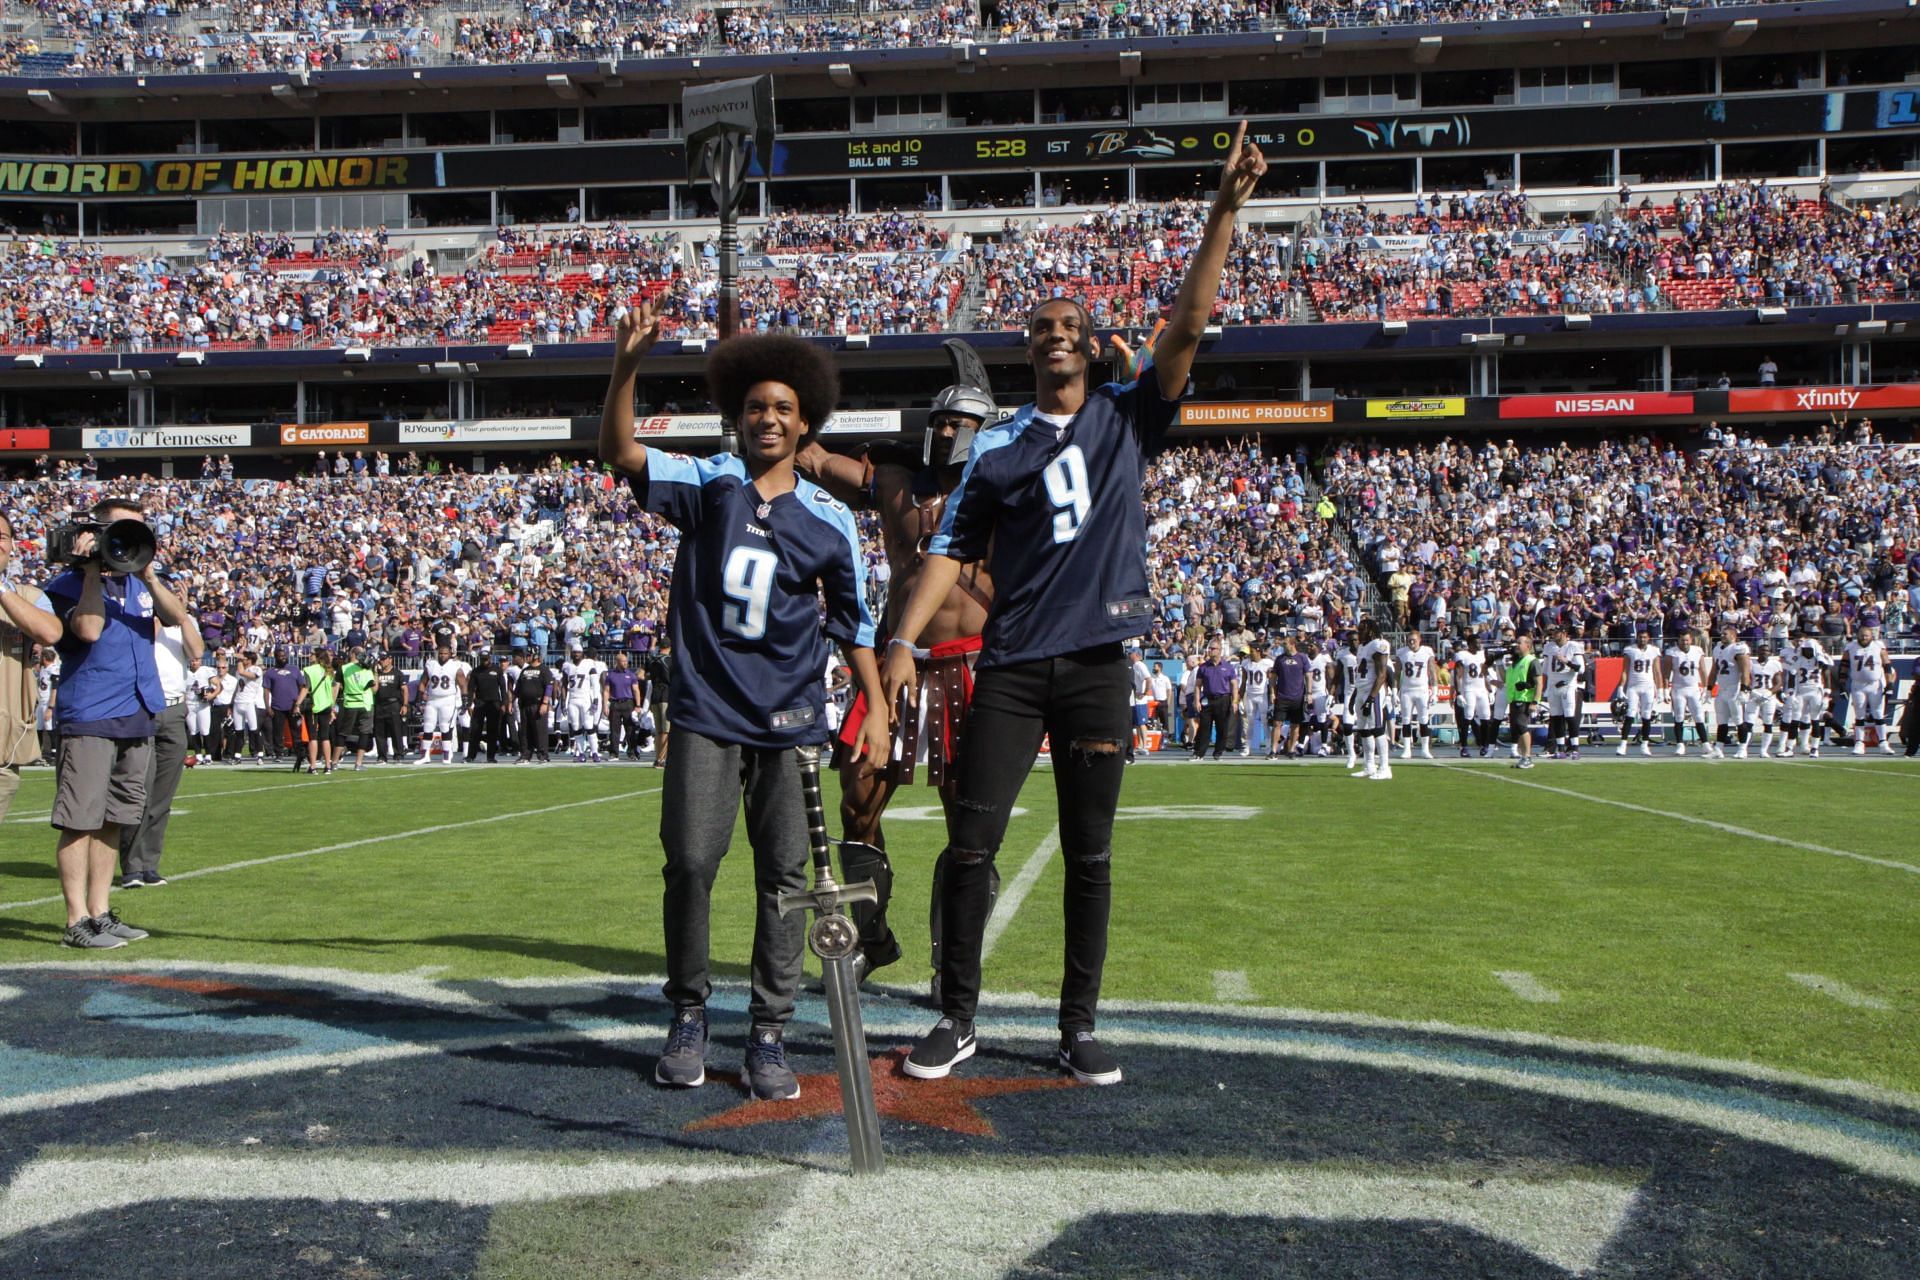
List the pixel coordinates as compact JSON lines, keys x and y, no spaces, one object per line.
{"x":398,"y":1124}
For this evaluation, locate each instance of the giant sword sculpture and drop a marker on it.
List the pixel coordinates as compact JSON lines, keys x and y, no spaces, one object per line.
{"x":835,"y":939}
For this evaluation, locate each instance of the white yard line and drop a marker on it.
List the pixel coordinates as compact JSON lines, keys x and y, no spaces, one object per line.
{"x":1727,"y":827}
{"x":247,"y":791}
{"x":1838,"y":990}
{"x":1016,"y":893}
{"x":1885,"y":771}
{"x":1526,"y":986}
{"x":1230,"y":986}
{"x":369,"y":840}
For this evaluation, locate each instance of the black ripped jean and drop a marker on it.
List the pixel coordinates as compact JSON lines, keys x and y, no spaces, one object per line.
{"x":1079,"y":701}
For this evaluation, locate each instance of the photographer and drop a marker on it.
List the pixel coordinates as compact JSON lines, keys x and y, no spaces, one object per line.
{"x":110,"y":695}
{"x":24,"y":622}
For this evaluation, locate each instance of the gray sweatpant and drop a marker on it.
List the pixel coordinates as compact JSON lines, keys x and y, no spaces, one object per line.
{"x":142,"y":844}
{"x":704,"y":787}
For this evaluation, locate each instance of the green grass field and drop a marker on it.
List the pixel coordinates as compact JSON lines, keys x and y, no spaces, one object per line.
{"x":1309,"y":890}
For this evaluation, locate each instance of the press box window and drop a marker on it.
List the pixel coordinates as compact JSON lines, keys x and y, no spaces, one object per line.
{"x":896,"y":112}
{"x":1157,"y":102}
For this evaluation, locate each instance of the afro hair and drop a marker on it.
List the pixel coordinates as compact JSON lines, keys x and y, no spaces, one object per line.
{"x":735,"y":366}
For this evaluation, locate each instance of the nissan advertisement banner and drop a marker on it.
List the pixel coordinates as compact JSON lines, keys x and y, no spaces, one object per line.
{"x":1617,"y":404}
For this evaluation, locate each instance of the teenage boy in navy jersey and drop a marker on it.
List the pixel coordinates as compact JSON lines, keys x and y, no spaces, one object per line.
{"x":1051,"y":499}
{"x":759,"y":549}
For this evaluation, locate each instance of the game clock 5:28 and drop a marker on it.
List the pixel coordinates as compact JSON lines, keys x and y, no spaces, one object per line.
{"x":1000,"y":148}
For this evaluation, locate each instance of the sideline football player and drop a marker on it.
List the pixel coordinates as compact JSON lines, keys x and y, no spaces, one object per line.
{"x":760,"y":547}
{"x":1052,"y":499}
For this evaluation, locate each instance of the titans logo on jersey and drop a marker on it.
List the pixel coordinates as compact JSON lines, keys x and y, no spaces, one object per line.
{"x":744,"y":609}
{"x":1056,"y":512}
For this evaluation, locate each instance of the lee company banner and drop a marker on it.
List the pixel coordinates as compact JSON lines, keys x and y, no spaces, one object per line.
{"x":1617,"y":404}
{"x":1895,"y":395}
{"x":1255,"y":413}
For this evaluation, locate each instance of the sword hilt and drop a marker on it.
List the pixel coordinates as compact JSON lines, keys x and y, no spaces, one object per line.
{"x":816,"y":817}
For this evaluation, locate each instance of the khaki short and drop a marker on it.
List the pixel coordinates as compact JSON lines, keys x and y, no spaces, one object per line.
{"x":9,"y":783}
{"x":99,"y":781}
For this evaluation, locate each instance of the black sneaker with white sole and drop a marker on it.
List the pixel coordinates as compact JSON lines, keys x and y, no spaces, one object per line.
{"x":940,"y":1050}
{"x":1082,"y":1055}
{"x":683,"y":1063}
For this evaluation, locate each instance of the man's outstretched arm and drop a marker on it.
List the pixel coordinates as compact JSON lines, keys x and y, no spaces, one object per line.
{"x":1174,"y":351}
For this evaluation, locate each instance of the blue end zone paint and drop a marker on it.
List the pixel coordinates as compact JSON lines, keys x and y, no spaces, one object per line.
{"x":564,"y":1069}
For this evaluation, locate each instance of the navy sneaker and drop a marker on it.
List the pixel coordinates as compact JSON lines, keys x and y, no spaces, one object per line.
{"x":153,"y":879}
{"x":683,"y":1063}
{"x":768,"y":1074}
{"x":1082,"y":1055}
{"x":941,"y":1049}
{"x":132,"y":882}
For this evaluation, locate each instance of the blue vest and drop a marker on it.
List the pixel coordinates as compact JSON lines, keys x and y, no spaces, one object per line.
{"x":115,"y":676}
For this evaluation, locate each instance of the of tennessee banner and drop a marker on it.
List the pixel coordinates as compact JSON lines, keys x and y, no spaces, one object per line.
{"x":1895,"y":395}
{"x":1422,"y":407}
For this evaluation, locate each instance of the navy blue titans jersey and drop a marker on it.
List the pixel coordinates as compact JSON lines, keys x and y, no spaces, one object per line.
{"x":1057,"y":514}
{"x":744,"y":611}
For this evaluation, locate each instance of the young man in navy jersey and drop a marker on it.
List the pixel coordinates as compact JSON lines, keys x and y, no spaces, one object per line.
{"x":1051,"y":499}
{"x":759,"y":549}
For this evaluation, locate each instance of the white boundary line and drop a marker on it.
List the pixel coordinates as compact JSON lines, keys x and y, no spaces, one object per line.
{"x":1017,"y":892}
{"x":367,"y":840}
{"x":1230,"y":986}
{"x":1526,"y":986}
{"x":242,"y":791}
{"x":1885,"y":771}
{"x":1835,"y":989}
{"x":1727,"y":827}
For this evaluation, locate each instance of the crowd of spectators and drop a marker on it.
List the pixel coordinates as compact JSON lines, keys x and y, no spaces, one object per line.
{"x":1247,"y":543}
{"x":1125,"y":263}
{"x":1735,"y":245}
{"x":1818,"y":531}
{"x":105,"y":36}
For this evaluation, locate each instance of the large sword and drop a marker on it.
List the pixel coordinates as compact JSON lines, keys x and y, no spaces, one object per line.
{"x":835,"y":939}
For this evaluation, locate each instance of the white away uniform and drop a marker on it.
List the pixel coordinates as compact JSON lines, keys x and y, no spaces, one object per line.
{"x":1728,"y":701}
{"x":1866,"y":680}
{"x":1689,"y":707}
{"x":440,"y":687}
{"x":583,"y":679}
{"x":1415,"y":668}
{"x":1470,"y":687}
{"x":1641,"y":679}
{"x":1564,"y":663}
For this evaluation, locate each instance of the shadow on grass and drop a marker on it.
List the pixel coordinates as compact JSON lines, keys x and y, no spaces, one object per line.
{"x":594,"y":959}
{"x":31,"y":870}
{"x":28,"y":931}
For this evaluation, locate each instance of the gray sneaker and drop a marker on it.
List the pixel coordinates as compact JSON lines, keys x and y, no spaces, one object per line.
{"x":111,"y":923}
{"x":683,"y":1063}
{"x":87,"y":933}
{"x":767,"y":1070}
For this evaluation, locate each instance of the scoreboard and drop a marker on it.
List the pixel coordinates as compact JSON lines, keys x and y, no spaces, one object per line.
{"x":1091,"y":145}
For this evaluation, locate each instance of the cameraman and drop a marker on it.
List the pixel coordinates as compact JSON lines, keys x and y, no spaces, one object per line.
{"x":25,"y":621}
{"x":110,"y":696}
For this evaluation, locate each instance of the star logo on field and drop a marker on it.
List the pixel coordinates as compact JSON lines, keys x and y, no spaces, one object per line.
{"x":934,"y":1104}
